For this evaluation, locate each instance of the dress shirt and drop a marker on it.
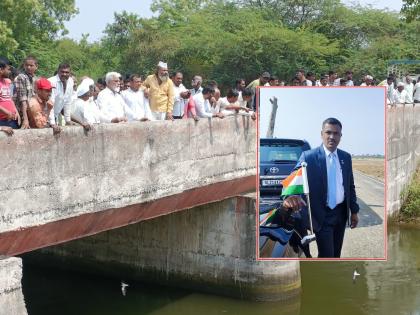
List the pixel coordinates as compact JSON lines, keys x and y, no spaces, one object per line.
{"x":202,"y":106}
{"x":138,"y":104}
{"x":400,"y":97}
{"x":61,"y":99}
{"x":338,"y":174}
{"x":349,"y":83}
{"x":179,"y":102}
{"x":112,"y":105}
{"x":24,"y":88}
{"x":161,"y":96}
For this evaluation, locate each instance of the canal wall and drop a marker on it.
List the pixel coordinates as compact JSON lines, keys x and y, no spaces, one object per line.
{"x":209,"y":248}
{"x":11,"y":296}
{"x":403,"y":151}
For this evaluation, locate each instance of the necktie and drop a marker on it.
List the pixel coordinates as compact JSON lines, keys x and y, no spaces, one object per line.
{"x":332,"y":200}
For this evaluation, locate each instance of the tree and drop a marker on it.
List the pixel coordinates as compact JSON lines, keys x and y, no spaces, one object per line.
{"x":411,"y":10}
{"x":25,"y":22}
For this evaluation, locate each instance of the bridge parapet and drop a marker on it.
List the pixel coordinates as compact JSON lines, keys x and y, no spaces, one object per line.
{"x":47,"y":178}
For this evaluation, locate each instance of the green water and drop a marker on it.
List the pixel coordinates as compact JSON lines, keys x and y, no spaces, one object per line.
{"x":391,"y":287}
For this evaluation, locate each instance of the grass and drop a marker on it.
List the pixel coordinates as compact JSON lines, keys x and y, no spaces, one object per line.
{"x":374,"y":167}
{"x":410,"y":210}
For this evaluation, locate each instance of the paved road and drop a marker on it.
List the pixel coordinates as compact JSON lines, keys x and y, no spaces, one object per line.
{"x":368,"y":239}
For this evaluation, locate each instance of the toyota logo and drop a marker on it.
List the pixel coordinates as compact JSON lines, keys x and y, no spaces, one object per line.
{"x":274,"y":170}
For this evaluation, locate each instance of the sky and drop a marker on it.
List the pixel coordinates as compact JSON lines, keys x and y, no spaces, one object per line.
{"x":301,"y":112}
{"x":94,"y":15}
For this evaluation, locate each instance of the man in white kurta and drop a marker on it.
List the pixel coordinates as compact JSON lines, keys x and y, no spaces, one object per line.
{"x":110,"y":101}
{"x":136,"y":101}
{"x":202,"y":104}
{"x":400,"y":95}
{"x":181,"y":95}
{"x":61,"y":95}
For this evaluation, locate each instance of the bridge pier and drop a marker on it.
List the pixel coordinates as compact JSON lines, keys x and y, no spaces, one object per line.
{"x":11,"y":296}
{"x":210,"y":248}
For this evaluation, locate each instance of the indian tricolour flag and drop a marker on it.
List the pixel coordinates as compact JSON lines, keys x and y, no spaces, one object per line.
{"x":296,"y":183}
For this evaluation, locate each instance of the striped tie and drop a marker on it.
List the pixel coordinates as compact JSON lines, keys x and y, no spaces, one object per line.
{"x":332,"y":200}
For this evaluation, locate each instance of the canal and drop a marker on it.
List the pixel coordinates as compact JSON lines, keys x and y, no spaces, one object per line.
{"x":391,"y":287}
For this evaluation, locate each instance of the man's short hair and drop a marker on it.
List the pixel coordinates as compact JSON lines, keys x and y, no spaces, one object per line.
{"x":30,"y":57}
{"x":231,"y":93}
{"x":309,"y":74}
{"x":349,"y":72}
{"x":238,"y":81}
{"x":301,"y":71}
{"x":134,"y":76}
{"x":4,"y":62}
{"x":111,"y":75}
{"x":331,"y":72}
{"x":63,"y":65}
{"x":208,"y":89}
{"x":212,"y":83}
{"x":274,"y":77}
{"x":101,"y":81}
{"x":247,"y":92}
{"x":331,"y":121}
{"x":197,"y":78}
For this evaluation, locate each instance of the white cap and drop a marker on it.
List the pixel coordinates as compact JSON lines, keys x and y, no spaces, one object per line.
{"x":400,"y":84}
{"x":87,"y":81}
{"x":82,"y":89}
{"x":369,"y":77}
{"x":162,"y":64}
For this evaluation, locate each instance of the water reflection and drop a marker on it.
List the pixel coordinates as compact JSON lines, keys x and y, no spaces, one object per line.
{"x":391,"y":287}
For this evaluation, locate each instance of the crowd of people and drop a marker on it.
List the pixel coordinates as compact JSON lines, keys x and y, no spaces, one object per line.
{"x":28,"y":101}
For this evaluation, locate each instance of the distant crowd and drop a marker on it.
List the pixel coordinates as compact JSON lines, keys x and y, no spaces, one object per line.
{"x":28,"y":101}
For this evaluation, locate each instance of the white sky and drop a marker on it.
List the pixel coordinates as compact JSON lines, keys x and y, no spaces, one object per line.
{"x":301,"y":112}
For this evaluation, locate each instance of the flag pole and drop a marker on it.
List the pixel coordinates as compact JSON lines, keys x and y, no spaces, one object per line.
{"x":306,"y":192}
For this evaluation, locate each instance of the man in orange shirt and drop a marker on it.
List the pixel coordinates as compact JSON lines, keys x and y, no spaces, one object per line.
{"x":40,"y":106}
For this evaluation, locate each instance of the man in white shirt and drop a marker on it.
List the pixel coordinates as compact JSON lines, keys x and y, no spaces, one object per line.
{"x":181,"y":95}
{"x":61,"y":95}
{"x":368,"y":81}
{"x":84,"y":110}
{"x":416,"y":91}
{"x":229,"y":105}
{"x":300,"y":74}
{"x":400,"y":96}
{"x":196,"y":85}
{"x":110,"y":101}
{"x":349,"y":78}
{"x":202,"y":104}
{"x":136,"y":101}
{"x":409,"y":88}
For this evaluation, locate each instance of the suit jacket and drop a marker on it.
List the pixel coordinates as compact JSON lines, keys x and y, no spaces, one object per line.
{"x":317,"y":180}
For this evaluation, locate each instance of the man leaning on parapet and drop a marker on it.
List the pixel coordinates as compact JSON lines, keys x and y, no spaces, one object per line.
{"x":332,"y":194}
{"x":161,"y":92}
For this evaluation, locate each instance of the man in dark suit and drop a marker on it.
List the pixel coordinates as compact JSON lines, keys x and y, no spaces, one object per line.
{"x":332,"y":191}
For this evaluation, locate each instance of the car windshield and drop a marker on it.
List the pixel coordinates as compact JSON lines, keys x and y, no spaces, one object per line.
{"x":280,"y":152}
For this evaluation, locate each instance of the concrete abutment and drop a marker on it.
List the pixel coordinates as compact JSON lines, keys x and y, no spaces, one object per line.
{"x":209,"y":248}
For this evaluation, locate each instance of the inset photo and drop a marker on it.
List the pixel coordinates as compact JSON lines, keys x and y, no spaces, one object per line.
{"x":321,"y":156}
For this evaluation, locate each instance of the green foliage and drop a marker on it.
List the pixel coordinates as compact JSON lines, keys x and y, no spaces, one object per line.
{"x":24,"y":23}
{"x":411,"y":196}
{"x":411,"y":10}
{"x":223,"y":42}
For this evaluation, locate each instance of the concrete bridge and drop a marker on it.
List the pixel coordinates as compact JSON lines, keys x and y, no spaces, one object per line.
{"x":159,"y":201}
{"x":403,"y":151}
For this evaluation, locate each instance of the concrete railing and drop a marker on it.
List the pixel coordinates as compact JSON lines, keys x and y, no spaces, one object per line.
{"x":403,"y":151}
{"x":46,"y":178}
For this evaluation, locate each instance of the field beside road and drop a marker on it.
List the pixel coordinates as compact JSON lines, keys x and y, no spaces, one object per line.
{"x":374,"y":167}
